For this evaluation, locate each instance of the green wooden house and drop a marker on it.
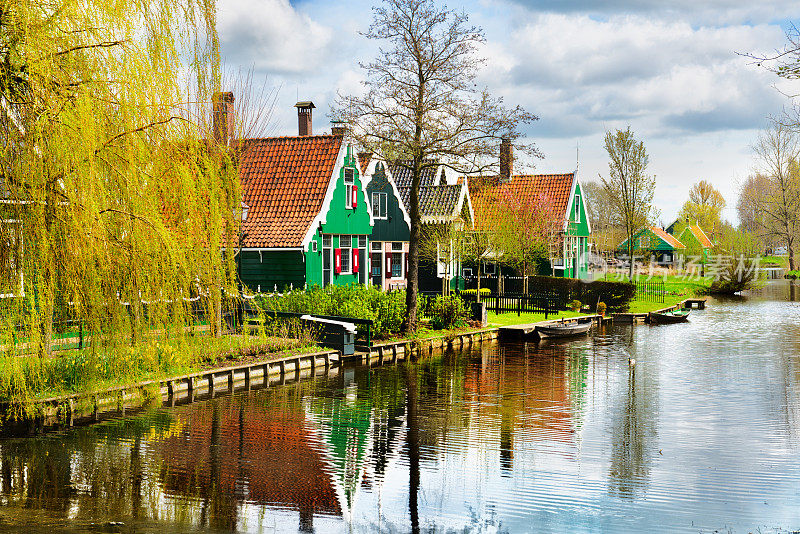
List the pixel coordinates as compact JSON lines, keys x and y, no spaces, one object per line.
{"x":698,"y":245}
{"x":444,"y":199}
{"x":308,"y":221}
{"x":653,"y":242}
{"x":391,"y":231}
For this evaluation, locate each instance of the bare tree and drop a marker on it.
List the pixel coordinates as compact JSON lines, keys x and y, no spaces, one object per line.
{"x":771,"y":198}
{"x":607,"y":231}
{"x":628,"y":187}
{"x":421,"y":106}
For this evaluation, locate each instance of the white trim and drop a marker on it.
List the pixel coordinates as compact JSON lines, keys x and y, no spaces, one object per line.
{"x":320,"y":218}
{"x":464,"y":194}
{"x":370,"y":172}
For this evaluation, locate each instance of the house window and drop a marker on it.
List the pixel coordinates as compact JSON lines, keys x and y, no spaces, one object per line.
{"x":379,"y":205}
{"x":349,"y":189}
{"x":326,"y":241}
{"x":577,"y":208}
{"x":345,"y":261}
{"x":362,"y":241}
{"x":488,"y":268}
{"x":376,"y":246}
{"x":397,"y":247}
{"x":466,"y":272}
{"x":313,"y":246}
{"x":397,"y":265}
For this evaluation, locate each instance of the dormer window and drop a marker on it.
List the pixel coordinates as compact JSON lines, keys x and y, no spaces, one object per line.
{"x":577,"y":208}
{"x":350,"y":198}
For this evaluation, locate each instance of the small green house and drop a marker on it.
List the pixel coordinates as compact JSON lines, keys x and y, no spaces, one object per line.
{"x":308,"y":221}
{"x":654,"y":242}
{"x":391,"y":231}
{"x":698,"y":246}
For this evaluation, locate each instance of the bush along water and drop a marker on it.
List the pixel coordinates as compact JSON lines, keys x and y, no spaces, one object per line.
{"x":448,"y":312}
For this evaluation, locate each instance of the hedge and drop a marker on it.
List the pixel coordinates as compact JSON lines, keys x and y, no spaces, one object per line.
{"x":616,"y":295}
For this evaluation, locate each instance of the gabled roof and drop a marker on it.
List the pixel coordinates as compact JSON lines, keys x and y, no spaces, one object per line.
{"x":440,"y":203}
{"x":284,"y":184}
{"x":368,"y":167}
{"x":670,"y":240}
{"x":701,"y":236}
{"x":556,"y":189}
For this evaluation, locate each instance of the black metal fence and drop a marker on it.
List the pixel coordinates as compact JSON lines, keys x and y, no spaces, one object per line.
{"x":651,"y":290}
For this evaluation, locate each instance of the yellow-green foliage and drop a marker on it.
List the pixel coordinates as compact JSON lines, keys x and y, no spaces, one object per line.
{"x":115,"y":192}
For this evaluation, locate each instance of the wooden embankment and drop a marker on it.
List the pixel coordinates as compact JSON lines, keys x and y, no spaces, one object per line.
{"x":76,"y":408}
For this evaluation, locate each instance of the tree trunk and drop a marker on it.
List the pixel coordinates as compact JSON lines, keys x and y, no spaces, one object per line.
{"x":478,"y":293}
{"x":412,"y":289}
{"x":630,"y":257}
{"x":790,"y":250}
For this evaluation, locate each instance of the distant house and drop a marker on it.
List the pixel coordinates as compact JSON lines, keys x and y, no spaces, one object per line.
{"x":443,"y":199}
{"x":694,"y":238}
{"x":391,"y":232}
{"x":654,"y":242}
{"x":309,"y":221}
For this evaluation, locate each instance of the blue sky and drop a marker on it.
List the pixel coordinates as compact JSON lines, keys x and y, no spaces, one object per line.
{"x":667,"y":69}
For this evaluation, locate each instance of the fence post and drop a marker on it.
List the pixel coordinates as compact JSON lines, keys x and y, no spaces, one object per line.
{"x":80,"y":334}
{"x":519,"y":305}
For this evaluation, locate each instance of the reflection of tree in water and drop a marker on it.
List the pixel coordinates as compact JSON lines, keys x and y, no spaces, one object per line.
{"x":632,"y":433}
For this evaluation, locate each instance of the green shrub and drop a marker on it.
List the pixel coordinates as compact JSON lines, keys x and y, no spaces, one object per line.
{"x":792,"y":274}
{"x":601,"y":308}
{"x":470,"y":293}
{"x":448,"y":312}
{"x":575,"y":305}
{"x":616,"y":295}
{"x":386,"y":310}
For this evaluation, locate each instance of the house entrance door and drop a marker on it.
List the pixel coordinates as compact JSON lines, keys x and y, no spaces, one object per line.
{"x":376,"y":269}
{"x":327,"y":261}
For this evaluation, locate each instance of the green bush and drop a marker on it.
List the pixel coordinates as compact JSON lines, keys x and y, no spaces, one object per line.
{"x":792,"y":274}
{"x":616,"y":295}
{"x":448,"y":312}
{"x":470,"y":293}
{"x":386,"y":310}
{"x":575,"y":305}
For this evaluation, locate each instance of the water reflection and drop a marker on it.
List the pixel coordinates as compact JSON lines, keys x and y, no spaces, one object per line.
{"x":700,"y":434}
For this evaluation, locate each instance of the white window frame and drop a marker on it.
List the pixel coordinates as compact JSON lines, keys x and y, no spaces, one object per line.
{"x":362,"y":241}
{"x":380,"y":205}
{"x":346,"y":254}
{"x":377,"y":246}
{"x":349,"y":184}
{"x":397,"y":246}
{"x":577,"y":208}
{"x":466,"y":271}
{"x":327,"y":241}
{"x":401,"y":262}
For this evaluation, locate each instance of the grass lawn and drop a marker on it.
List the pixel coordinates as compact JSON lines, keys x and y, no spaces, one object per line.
{"x":508,"y":319}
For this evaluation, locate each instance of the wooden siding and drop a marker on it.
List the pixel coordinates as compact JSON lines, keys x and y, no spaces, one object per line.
{"x":269,"y":269}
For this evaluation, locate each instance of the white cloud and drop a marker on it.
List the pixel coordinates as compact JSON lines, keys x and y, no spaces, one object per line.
{"x":665,"y":75}
{"x":271,"y":35}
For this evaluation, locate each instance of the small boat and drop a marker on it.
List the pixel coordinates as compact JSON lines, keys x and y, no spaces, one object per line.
{"x":674,"y":316}
{"x":563,"y":329}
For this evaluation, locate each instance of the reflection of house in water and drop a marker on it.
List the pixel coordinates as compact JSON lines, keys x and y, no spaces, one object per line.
{"x":268,"y":457}
{"x":532,"y":395}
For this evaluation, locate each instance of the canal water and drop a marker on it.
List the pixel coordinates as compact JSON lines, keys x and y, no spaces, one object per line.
{"x":700,"y":434}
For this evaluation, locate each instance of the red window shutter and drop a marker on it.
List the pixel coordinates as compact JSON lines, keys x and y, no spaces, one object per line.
{"x":355,"y":197}
{"x":388,"y":265}
{"x":355,"y":260}
{"x":337,"y":254}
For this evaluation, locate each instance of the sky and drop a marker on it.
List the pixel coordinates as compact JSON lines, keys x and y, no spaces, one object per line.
{"x":668,"y":69}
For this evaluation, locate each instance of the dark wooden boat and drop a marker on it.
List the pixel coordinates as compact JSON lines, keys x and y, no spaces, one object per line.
{"x":563,"y":329}
{"x":674,"y":316}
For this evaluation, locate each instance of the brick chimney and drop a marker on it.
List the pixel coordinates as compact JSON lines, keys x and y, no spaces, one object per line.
{"x":304,"y":118}
{"x":338,"y":128}
{"x":506,"y":160}
{"x":222,"y":119}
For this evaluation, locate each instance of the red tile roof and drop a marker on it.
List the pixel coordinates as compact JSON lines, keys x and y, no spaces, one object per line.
{"x":701,"y":236}
{"x":552,"y":188}
{"x":284,"y":181}
{"x":671,"y":240}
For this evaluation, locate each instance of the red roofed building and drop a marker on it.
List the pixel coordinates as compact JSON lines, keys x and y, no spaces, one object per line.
{"x":308,"y":219}
{"x":560,"y":193}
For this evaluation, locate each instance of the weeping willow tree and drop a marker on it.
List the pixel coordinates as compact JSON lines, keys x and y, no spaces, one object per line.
{"x":115,"y":198}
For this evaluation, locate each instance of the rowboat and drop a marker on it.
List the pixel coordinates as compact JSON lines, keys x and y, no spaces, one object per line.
{"x":563,"y":330}
{"x":675,"y":316}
